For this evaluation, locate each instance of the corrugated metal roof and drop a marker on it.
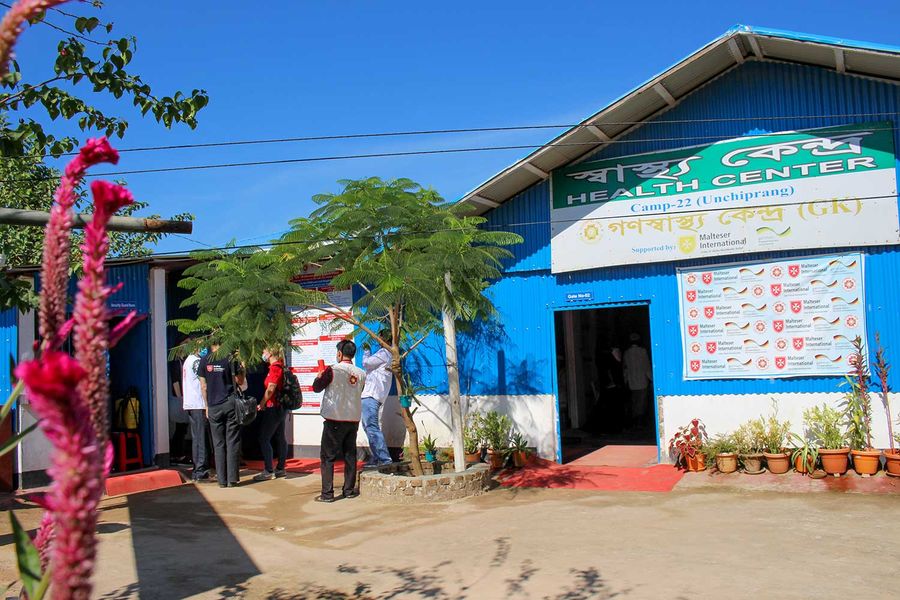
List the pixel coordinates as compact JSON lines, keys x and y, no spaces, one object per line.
{"x":737,"y":46}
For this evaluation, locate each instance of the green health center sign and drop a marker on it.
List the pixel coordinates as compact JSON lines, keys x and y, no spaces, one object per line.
{"x":821,"y":188}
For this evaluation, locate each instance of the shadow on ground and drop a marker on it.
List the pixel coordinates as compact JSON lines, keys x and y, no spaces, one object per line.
{"x":439,"y":583}
{"x":173,"y":531}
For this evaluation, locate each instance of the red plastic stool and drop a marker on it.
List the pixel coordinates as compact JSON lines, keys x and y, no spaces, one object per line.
{"x":123,"y":461}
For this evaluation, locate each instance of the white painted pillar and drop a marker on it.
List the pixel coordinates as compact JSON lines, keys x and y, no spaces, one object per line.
{"x":158,"y":360}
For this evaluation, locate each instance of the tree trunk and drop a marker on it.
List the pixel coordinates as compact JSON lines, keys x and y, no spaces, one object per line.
{"x":456,"y":416}
{"x":411,"y":429}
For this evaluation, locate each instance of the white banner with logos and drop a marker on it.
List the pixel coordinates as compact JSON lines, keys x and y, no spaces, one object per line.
{"x":790,"y":318}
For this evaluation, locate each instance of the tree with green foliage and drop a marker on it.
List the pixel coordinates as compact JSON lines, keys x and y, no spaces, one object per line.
{"x":241,"y":297}
{"x":30,"y":103}
{"x":83,"y":63}
{"x":403,"y":247}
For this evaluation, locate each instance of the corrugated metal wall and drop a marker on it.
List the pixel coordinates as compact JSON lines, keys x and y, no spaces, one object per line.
{"x":519,"y":352}
{"x":135,"y":292}
{"x":9,"y":350}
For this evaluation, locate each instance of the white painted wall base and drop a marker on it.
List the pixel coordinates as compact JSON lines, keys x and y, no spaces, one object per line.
{"x":535,"y":416}
{"x":724,"y":414}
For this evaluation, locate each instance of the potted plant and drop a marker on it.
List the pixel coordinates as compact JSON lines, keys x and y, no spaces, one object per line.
{"x":882,"y":369}
{"x":750,"y":439}
{"x":805,"y":455}
{"x":473,"y":438}
{"x":824,"y":425}
{"x":723,"y":450}
{"x":687,"y":443}
{"x":518,"y":447}
{"x":857,"y":409}
{"x":429,"y":446}
{"x":775,"y":435}
{"x":496,"y":429}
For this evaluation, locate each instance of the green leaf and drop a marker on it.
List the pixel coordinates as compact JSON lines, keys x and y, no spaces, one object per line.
{"x":16,"y":439}
{"x":28,"y":559}
{"x":11,"y":401}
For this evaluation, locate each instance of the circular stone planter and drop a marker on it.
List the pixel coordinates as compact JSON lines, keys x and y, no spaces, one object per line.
{"x":394,"y":484}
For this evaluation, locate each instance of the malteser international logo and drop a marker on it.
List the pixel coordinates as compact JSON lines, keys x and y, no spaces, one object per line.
{"x":798,"y":343}
{"x":776,"y":289}
{"x":794,"y":271}
{"x":709,"y":312}
{"x":691,"y":295}
{"x":780,"y":362}
{"x":711,"y":347}
{"x":707,"y":278}
{"x":590,"y":233}
{"x":778,"y":325}
{"x":693,"y":330}
{"x":695,"y":366}
{"x":796,"y":306}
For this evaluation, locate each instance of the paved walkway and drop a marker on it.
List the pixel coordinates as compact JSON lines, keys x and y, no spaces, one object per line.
{"x":270,"y":540}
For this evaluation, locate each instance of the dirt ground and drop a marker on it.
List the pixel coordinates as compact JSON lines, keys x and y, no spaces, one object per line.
{"x":270,"y":540}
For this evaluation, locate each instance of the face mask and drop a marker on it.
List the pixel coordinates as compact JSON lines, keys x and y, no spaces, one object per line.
{"x":266,"y":356}
{"x":204,"y":352}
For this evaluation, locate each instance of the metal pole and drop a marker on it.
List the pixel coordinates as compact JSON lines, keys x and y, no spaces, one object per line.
{"x":456,"y":416}
{"x":37,"y":218}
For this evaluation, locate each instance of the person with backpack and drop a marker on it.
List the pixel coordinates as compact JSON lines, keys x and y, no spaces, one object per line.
{"x":272,"y":416}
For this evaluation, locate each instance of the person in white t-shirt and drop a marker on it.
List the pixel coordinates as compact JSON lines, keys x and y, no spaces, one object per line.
{"x":638,"y":376}
{"x":195,"y":407}
{"x":378,"y":386}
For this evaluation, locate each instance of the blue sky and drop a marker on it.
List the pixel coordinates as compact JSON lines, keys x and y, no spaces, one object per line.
{"x":320,"y":68}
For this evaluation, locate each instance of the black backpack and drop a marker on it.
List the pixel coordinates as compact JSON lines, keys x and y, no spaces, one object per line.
{"x":291,"y":395}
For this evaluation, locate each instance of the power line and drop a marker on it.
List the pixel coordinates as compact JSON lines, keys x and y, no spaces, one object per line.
{"x":498,"y":129}
{"x":311,"y":159}
{"x":495,"y":226}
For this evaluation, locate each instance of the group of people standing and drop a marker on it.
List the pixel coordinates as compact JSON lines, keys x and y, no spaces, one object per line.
{"x":349,"y":395}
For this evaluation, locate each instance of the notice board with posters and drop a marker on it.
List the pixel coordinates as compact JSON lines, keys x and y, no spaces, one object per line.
{"x":819,"y":188}
{"x":316,"y":336}
{"x":790,"y":318}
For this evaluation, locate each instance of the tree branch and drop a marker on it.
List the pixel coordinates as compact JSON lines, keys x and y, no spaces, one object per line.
{"x":413,"y":347}
{"x":10,"y":97}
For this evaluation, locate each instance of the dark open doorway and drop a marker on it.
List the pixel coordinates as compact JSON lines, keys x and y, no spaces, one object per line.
{"x":603,"y":361}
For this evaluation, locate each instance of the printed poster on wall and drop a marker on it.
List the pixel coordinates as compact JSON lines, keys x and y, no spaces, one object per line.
{"x":316,"y":336}
{"x":791,"y":318}
{"x":820,"y":188}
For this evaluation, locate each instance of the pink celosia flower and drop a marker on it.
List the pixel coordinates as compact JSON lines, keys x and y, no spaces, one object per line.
{"x":91,"y":314}
{"x":51,"y":382}
{"x":55,"y":265}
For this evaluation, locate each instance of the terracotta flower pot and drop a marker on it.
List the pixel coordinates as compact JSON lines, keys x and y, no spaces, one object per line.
{"x":778,"y":463}
{"x":473,"y":457}
{"x":496,"y":459}
{"x":834,"y":462}
{"x":866,"y":462}
{"x":752,"y":463}
{"x":727,"y":462}
{"x":801,"y":465}
{"x":892,"y":462}
{"x":520,"y":458}
{"x":695,"y":463}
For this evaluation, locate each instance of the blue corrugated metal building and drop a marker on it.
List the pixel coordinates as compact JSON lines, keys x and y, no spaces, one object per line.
{"x":748,"y":82}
